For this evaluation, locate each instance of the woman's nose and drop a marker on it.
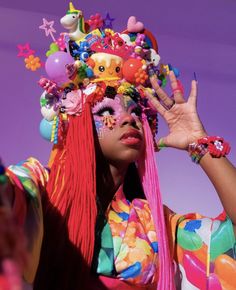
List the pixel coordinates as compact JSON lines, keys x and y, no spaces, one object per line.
{"x":127,"y":119}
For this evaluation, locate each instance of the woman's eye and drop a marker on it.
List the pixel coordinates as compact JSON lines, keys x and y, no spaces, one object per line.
{"x":101,"y":68}
{"x":107,"y":111}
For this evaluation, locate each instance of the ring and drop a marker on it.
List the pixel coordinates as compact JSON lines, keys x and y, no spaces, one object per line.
{"x":170,"y":106}
{"x":179,"y":88}
{"x":161,"y":144}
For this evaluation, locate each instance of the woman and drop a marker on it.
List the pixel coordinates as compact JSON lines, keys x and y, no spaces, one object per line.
{"x":94,"y":228}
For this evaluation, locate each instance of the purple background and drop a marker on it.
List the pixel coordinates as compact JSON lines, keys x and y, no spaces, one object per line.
{"x":192,"y":35}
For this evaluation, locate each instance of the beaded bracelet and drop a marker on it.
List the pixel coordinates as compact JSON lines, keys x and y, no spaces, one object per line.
{"x":215,"y":145}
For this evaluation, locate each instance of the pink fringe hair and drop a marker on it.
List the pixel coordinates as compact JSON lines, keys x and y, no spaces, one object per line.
{"x":149,"y":177}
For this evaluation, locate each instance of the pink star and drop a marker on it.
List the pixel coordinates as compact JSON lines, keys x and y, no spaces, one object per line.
{"x":48,"y":28}
{"x":24,"y":50}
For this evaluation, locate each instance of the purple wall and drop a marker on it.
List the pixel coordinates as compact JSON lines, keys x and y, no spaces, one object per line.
{"x":192,"y":35}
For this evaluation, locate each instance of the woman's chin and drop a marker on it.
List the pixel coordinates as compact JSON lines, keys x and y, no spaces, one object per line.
{"x":128,"y":156}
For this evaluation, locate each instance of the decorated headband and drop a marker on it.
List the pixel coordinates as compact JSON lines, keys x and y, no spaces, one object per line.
{"x":92,"y":61}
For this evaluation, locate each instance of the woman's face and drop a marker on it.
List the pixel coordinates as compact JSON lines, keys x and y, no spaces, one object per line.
{"x":119,"y":128}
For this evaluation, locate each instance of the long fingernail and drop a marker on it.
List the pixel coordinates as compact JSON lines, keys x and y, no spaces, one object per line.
{"x":195,"y":76}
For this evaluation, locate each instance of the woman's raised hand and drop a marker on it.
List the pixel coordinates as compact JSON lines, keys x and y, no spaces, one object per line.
{"x":181,"y":116}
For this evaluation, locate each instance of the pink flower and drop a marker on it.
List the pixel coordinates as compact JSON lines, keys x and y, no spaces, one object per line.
{"x":72,"y":104}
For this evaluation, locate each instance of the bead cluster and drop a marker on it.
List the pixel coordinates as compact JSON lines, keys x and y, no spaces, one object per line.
{"x":141,"y":76}
{"x":196,"y":151}
{"x":215,"y":145}
{"x":54,"y":136}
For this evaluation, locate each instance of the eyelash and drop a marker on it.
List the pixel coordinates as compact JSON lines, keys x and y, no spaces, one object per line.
{"x":104,"y":109}
{"x":136,"y":110}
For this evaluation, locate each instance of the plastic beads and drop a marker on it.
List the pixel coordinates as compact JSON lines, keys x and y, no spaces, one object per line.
{"x":141,"y":76}
{"x":95,"y":21}
{"x":61,"y":42}
{"x":196,"y":152}
{"x":123,"y":88}
{"x":215,"y":145}
{"x":54,"y":136}
{"x":32,"y":63}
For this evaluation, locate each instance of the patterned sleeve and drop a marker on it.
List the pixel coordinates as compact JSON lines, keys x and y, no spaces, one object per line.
{"x":204,"y":251}
{"x":29,"y":179}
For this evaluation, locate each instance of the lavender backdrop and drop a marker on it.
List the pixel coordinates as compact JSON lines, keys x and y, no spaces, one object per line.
{"x":192,"y":35}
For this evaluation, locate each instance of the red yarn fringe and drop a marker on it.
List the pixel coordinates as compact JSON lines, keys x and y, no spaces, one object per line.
{"x":72,"y":183}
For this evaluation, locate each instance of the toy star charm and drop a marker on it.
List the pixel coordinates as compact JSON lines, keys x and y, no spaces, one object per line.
{"x":25,"y":50}
{"x":108,"y":21}
{"x":48,"y":28}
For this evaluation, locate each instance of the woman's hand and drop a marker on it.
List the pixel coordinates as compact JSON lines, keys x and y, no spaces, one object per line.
{"x":181,"y":116}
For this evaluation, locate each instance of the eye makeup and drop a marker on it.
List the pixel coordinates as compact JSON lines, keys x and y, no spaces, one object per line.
{"x":113,"y":106}
{"x":104,"y":114}
{"x":109,"y":111}
{"x":105,"y":111}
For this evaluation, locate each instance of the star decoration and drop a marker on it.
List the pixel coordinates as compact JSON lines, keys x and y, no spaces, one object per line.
{"x":25,"y":50}
{"x":48,"y":28}
{"x":108,"y":21}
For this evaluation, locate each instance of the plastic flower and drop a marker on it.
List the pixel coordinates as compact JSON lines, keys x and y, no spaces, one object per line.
{"x":123,"y":87}
{"x":72,"y":104}
{"x":95,"y":21}
{"x":109,"y":32}
{"x":33,"y":63}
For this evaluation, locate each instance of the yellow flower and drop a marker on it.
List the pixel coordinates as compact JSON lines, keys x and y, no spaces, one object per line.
{"x":123,"y":87}
{"x":109,"y":31}
{"x":33,"y":63}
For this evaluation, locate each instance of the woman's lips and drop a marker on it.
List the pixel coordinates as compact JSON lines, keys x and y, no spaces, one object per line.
{"x":131,"y":137}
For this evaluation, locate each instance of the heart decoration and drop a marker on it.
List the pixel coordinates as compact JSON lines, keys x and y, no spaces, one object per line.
{"x":53,"y":48}
{"x":134,"y":26}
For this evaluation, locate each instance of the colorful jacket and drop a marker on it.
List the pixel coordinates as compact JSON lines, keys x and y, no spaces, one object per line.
{"x":203,"y":249}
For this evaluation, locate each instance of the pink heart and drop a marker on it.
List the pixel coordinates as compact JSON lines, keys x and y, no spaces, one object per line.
{"x":133,"y":25}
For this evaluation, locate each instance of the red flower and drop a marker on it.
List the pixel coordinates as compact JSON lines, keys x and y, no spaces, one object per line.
{"x":95,"y":21}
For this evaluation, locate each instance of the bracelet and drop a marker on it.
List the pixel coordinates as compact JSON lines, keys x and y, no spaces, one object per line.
{"x":215,"y":145}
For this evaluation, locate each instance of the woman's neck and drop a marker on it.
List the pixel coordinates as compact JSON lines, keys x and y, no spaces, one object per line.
{"x":118,"y":175}
{"x":109,"y":178}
